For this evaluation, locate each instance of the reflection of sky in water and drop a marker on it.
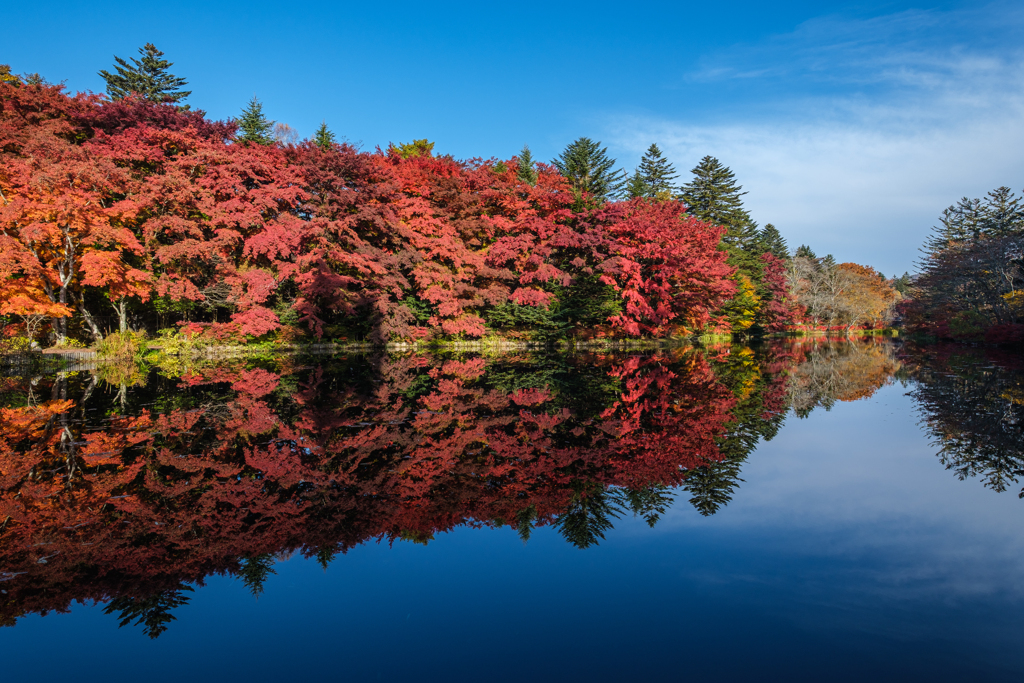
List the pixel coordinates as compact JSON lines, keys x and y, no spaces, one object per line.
{"x":848,"y":553}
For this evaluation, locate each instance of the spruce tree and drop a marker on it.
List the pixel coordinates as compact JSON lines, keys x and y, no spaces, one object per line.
{"x":253,"y":126}
{"x":527,"y":173}
{"x":590,"y":170}
{"x":804,"y":251}
{"x":323,"y":137}
{"x":636,"y":187}
{"x":148,"y":77}
{"x":657,"y":174}
{"x":713,"y":196}
{"x":771,"y":241}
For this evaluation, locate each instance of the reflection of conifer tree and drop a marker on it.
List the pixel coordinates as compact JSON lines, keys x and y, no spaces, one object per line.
{"x":588,"y":516}
{"x":524,"y":522}
{"x":255,"y":570}
{"x":649,"y":502}
{"x":975,"y":414}
{"x":711,"y":487}
{"x":152,"y":612}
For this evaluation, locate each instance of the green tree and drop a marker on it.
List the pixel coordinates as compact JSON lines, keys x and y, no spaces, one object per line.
{"x":636,"y":187}
{"x":527,"y":173}
{"x":253,"y":126}
{"x":713,"y":196}
{"x":590,"y":170}
{"x":323,"y":137}
{"x":804,"y":251}
{"x":771,"y":241}
{"x":654,"y":177}
{"x":416,"y":148}
{"x":148,"y":77}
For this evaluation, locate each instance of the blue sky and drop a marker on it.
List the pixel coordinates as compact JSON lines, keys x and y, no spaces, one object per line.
{"x":850,"y":124}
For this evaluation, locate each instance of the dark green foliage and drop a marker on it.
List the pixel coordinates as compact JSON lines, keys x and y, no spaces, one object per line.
{"x":590,"y":170}
{"x":770,"y":241}
{"x":255,"y":570}
{"x":903,"y":283}
{"x":323,"y":137}
{"x":510,"y":315}
{"x":524,"y":522}
{"x":999,"y":215}
{"x":253,"y":126}
{"x":650,"y":502}
{"x":654,"y":178}
{"x":804,"y":251}
{"x":711,"y":487}
{"x":586,"y":303}
{"x":635,"y":186}
{"x":152,"y":612}
{"x":714,"y":197}
{"x":527,"y":173}
{"x":148,"y":77}
{"x":589,"y":514}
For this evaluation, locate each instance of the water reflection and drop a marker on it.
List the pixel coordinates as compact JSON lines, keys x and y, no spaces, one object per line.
{"x":131,"y":491}
{"x":972,"y":402}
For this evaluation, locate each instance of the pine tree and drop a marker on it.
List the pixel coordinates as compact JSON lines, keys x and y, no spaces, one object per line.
{"x":1004,"y":215}
{"x":772,"y":242}
{"x":804,"y":251}
{"x":527,"y":173}
{"x":148,"y":77}
{"x":657,"y":174}
{"x":253,"y":126}
{"x":323,"y":137}
{"x":590,"y":170}
{"x":636,"y":187}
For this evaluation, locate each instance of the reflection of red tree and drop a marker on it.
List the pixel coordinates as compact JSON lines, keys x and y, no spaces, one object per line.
{"x":142,"y":502}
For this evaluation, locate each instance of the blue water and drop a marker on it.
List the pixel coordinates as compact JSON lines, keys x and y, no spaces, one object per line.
{"x":847,"y":554}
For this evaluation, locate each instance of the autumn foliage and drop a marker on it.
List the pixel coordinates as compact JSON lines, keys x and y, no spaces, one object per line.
{"x":131,"y":210}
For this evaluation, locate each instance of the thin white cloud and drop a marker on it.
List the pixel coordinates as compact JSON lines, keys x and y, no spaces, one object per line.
{"x":882,"y":123}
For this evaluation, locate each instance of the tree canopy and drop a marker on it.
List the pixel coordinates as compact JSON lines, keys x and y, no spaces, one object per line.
{"x":148,"y":77}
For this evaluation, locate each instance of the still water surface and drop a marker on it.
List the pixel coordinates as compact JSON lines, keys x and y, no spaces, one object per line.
{"x":820,"y":511}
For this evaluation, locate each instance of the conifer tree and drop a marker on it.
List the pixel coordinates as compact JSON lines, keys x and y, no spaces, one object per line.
{"x":804,"y":251}
{"x":657,"y":174}
{"x":771,"y":241}
{"x":713,"y":196}
{"x":590,"y":170}
{"x":527,"y":173}
{"x":323,"y":137}
{"x":148,"y":77}
{"x":253,"y":126}
{"x":636,"y":187}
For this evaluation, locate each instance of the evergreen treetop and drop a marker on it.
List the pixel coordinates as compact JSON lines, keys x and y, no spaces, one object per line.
{"x":772,"y":242}
{"x":804,"y":251}
{"x":589,"y":169}
{"x":253,"y":126}
{"x":323,"y":137}
{"x":713,"y":195}
{"x":416,"y":148}
{"x":636,"y":187}
{"x":527,"y":173}
{"x":148,"y":77}
{"x":657,"y":174}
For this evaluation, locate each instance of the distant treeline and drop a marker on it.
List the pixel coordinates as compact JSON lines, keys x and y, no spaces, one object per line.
{"x":971,"y":286}
{"x":133,"y":211}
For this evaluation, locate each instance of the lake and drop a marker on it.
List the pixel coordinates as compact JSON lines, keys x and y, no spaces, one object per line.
{"x":815,"y":510}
